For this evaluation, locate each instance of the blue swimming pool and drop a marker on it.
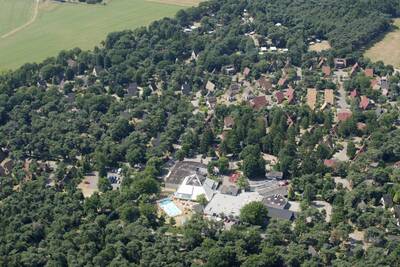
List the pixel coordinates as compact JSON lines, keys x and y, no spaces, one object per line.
{"x":169,"y":207}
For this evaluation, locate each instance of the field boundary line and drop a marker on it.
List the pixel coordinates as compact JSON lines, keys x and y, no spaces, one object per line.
{"x":32,"y":20}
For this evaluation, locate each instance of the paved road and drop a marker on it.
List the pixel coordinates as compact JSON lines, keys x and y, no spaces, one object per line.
{"x":341,"y":103}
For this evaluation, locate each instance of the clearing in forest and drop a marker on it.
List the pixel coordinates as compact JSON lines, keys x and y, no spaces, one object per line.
{"x":318,"y":47}
{"x":388,"y":49}
{"x":61,"y":26}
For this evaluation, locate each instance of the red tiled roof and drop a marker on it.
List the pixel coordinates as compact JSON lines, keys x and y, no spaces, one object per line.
{"x":344,"y":115}
{"x":326,"y":70}
{"x":329,"y":96}
{"x":246,"y":71}
{"x":229,"y":122}
{"x":374,"y":83}
{"x":364,"y":103}
{"x":266,"y":84}
{"x":282,"y":81}
{"x":259,"y":102}
{"x":361,"y":126}
{"x":290,"y":94}
{"x":354,"y":93}
{"x":234,"y":177}
{"x":330,"y":163}
{"x":279,"y":97}
{"x":311,"y":97}
{"x":369,"y":72}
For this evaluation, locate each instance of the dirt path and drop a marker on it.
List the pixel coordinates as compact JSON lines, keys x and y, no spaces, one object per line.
{"x":32,"y":20}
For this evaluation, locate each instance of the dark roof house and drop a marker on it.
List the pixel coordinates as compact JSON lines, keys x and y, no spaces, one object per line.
{"x":280,"y":214}
{"x":132,"y":90}
{"x":275,"y":201}
{"x":230,"y":190}
{"x":186,"y":89}
{"x":279,"y":97}
{"x":387,"y":201}
{"x":274,"y":175}
{"x":258,"y":102}
{"x":265,"y":84}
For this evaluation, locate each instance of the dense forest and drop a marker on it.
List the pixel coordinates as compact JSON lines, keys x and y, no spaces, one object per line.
{"x":75,"y":109}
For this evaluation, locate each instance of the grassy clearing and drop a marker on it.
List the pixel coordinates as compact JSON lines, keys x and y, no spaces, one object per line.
{"x":184,"y":3}
{"x":318,"y":47}
{"x":14,"y":13}
{"x":388,"y":49}
{"x":65,"y":26}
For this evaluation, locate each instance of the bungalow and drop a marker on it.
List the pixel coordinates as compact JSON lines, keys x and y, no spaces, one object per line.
{"x":72,"y":64}
{"x":396,"y":214}
{"x":258,"y":102}
{"x":330,"y":163}
{"x":321,"y":62}
{"x":329,"y":97}
{"x":233,"y":90}
{"x":131,"y":90}
{"x":265,"y":84}
{"x":282,"y":81}
{"x":344,"y":115}
{"x":153,"y":87}
{"x":290,"y":95}
{"x":195,"y":185}
{"x":211,"y":102}
{"x":273,"y":49}
{"x":280,"y":214}
{"x":96,"y":71}
{"x":229,"y":122}
{"x":354,"y":69}
{"x":369,"y":72}
{"x":340,"y":63}
{"x":384,"y":83}
{"x":186,"y":89}
{"x":353,"y":94}
{"x":71,"y":98}
{"x":193,"y":56}
{"x":246,"y":72}
{"x":210,"y":86}
{"x":248,"y":94}
{"x":229,"y":70}
{"x":387,"y":201}
{"x":375,"y":83}
{"x":311,"y":97}
{"x":361,"y":126}
{"x":279,"y":97}
{"x":326,"y":70}
{"x":364,"y":102}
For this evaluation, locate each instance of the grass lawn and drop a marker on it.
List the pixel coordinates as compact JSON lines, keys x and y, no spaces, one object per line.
{"x":14,"y":13}
{"x":65,"y":26}
{"x":388,"y":49}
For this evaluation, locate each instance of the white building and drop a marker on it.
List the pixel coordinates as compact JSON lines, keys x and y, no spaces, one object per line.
{"x":195,"y":185}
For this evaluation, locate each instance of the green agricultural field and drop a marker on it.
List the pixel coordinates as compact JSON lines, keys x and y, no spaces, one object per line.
{"x":65,"y":26}
{"x":14,"y":13}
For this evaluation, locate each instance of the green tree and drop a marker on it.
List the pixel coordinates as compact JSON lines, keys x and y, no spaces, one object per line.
{"x":351,"y":149}
{"x":104,"y":184}
{"x":254,"y":213}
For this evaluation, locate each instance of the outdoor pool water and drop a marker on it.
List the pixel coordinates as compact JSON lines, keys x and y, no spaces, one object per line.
{"x":169,"y":207}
